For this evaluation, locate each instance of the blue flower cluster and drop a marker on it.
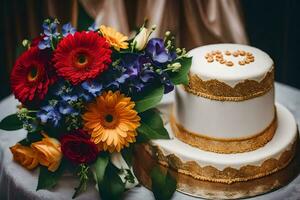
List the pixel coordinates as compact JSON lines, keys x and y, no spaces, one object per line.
{"x":51,"y":33}
{"x":63,"y":102}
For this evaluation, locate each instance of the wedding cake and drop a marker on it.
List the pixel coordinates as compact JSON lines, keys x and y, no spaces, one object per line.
{"x":225,"y":126}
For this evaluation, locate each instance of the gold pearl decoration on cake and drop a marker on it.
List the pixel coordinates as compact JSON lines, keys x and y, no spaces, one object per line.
{"x":218,"y":56}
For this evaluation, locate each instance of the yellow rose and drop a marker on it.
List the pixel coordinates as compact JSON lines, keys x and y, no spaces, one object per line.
{"x":48,"y":152}
{"x":24,"y":155}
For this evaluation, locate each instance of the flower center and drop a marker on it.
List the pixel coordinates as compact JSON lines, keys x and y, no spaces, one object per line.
{"x":109,"y":118}
{"x":32,"y":74}
{"x":81,"y":60}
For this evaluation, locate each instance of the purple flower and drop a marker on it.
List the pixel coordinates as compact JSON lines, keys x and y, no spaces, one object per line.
{"x":67,"y":29}
{"x":49,"y":114}
{"x":168,"y":85}
{"x":158,"y":53}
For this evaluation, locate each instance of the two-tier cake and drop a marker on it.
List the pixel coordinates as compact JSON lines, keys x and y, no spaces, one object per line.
{"x":224,"y":124}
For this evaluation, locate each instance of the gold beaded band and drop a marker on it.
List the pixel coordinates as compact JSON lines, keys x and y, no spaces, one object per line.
{"x":209,"y":173}
{"x":144,"y":162}
{"x":225,"y":146}
{"x":217,"y":90}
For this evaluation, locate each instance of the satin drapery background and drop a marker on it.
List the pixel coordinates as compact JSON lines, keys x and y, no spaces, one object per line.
{"x":269,"y":25}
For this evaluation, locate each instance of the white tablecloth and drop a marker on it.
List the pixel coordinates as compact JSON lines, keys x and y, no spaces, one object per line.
{"x":16,"y":183}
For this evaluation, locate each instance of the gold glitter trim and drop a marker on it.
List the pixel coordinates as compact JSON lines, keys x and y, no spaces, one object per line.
{"x":217,"y":90}
{"x":143,"y":164}
{"x":229,"y":175}
{"x":225,"y":146}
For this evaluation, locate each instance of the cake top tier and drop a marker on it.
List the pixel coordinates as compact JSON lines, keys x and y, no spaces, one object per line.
{"x":230,"y":63}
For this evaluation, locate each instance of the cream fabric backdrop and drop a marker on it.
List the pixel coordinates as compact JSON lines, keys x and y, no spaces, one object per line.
{"x":195,"y":22}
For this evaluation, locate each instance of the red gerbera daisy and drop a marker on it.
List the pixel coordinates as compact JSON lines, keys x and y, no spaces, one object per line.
{"x":82,"y":56}
{"x":30,"y":76}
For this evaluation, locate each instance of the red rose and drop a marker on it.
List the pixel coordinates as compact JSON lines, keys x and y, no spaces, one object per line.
{"x":78,"y":148}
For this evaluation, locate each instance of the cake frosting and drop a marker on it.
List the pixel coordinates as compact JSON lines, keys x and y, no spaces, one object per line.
{"x":234,"y":74}
{"x":221,"y":119}
{"x":230,"y":97}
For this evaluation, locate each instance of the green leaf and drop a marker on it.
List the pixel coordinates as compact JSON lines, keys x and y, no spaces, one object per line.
{"x":31,"y":137}
{"x":11,"y":123}
{"x":100,"y":167}
{"x":48,"y":179}
{"x":149,"y":100}
{"x":181,"y":77}
{"x":163,"y":185}
{"x":152,"y":126}
{"x":127,"y":154}
{"x":111,"y":186}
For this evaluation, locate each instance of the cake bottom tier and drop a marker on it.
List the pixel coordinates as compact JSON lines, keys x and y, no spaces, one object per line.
{"x":228,"y":169}
{"x":144,"y":163}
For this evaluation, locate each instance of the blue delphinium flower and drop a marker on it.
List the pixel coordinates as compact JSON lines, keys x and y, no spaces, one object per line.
{"x":49,"y":114}
{"x":92,"y":87}
{"x":67,"y":29}
{"x":50,"y":32}
{"x":157,"y":51}
{"x":65,"y":108}
{"x":93,"y":27}
{"x":69,"y":97}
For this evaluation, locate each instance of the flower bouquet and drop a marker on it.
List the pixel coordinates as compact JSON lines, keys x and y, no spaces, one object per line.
{"x":87,"y":97}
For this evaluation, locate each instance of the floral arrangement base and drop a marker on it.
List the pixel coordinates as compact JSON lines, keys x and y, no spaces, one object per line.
{"x":211,"y":190}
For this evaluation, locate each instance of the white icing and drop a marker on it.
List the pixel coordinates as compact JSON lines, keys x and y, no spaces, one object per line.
{"x":223,"y":119}
{"x":230,"y":75}
{"x":283,"y":139}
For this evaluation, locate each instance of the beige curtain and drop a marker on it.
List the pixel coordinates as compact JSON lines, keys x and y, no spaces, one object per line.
{"x":194,"y":22}
{"x":212,"y":21}
{"x":108,"y":12}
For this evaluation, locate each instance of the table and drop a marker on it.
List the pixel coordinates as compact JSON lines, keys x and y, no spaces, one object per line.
{"x":18,"y":183}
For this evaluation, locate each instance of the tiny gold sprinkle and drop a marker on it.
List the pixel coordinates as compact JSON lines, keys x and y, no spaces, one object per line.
{"x":227,"y":53}
{"x":242,"y":62}
{"x":235,"y":54}
{"x":242,"y":53}
{"x":229,"y":63}
{"x":210,"y":60}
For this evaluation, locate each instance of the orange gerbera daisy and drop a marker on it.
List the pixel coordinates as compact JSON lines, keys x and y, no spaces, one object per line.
{"x":116,"y":39}
{"x":112,"y":121}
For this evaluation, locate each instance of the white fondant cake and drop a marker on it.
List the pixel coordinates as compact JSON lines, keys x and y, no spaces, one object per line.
{"x":285,"y":136}
{"x":220,"y":119}
{"x":224,"y":125}
{"x":223,"y":119}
